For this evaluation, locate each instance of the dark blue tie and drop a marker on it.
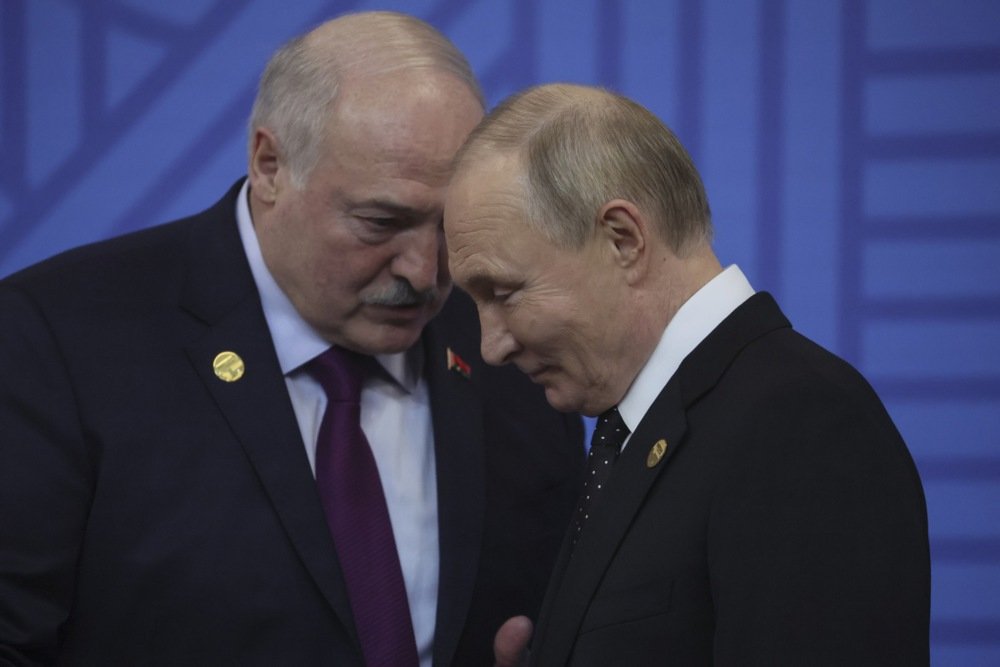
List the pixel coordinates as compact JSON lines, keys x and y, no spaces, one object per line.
{"x":610,"y":432}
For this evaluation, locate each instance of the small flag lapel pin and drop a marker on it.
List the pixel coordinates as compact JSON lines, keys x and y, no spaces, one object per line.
{"x":457,"y":364}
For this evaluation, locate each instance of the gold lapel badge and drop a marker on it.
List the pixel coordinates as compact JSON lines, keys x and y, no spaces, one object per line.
{"x":656,"y":453}
{"x":228,"y":366}
{"x":458,"y":365}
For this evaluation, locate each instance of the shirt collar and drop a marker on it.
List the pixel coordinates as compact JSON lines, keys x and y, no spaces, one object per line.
{"x":694,"y":321}
{"x":295,"y":341}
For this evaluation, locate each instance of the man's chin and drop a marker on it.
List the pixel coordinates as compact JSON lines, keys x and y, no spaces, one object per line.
{"x":572,"y":399}
{"x":385,"y":329}
{"x":560,"y":400}
{"x":390,"y":335}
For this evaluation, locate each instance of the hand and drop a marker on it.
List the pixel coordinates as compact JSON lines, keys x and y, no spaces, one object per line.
{"x":510,"y":647}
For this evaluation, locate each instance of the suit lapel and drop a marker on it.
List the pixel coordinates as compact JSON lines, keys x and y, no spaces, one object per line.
{"x":219,"y":291}
{"x":545,"y":614}
{"x":578,"y":575}
{"x":457,"y":416}
{"x":609,"y":521}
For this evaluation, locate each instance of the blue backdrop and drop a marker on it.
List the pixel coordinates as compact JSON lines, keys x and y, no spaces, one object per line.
{"x":851,"y":150}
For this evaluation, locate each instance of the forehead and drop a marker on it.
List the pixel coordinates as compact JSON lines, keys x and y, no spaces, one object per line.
{"x":410,"y":122}
{"x":486,"y":189}
{"x":485,"y":217}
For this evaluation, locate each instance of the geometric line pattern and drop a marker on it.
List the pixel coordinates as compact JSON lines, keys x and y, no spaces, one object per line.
{"x":864,"y":68}
{"x":805,"y":135}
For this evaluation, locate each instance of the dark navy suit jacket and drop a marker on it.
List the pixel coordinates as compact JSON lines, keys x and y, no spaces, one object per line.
{"x":151,"y":513}
{"x":785,"y":523}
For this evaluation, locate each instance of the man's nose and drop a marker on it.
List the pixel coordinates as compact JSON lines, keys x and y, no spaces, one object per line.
{"x":421,"y":259}
{"x":498,"y":344}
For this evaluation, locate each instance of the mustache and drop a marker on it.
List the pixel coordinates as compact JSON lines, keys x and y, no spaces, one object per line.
{"x":400,"y":293}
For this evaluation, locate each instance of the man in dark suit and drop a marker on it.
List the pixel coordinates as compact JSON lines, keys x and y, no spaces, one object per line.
{"x":749,"y":501}
{"x":162,"y":419}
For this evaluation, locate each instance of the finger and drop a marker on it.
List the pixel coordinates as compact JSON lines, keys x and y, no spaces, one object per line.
{"x":510,"y":647}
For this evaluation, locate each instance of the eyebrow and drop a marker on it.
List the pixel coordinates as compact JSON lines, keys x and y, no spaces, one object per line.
{"x":389,"y":206}
{"x":479,"y":281}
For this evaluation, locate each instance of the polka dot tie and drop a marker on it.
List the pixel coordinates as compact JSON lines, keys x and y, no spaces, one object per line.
{"x":609,"y":434}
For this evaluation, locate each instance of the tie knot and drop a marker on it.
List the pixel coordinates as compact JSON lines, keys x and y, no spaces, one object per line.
{"x":610,"y":431}
{"x":341,"y":373}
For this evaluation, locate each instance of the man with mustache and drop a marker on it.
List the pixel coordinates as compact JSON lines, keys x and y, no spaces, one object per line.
{"x":263,"y":434}
{"x":749,"y":500}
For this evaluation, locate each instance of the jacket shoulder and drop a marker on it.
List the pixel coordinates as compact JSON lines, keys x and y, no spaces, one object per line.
{"x":123,"y":265}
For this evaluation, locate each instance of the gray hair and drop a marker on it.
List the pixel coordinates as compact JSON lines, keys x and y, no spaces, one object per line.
{"x":300,"y":83}
{"x":582,"y":147}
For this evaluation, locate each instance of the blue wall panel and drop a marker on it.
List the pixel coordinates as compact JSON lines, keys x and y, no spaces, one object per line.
{"x":851,"y":150}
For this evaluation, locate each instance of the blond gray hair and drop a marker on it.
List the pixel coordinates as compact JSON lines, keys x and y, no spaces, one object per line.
{"x":581,"y":147}
{"x":300,"y":82}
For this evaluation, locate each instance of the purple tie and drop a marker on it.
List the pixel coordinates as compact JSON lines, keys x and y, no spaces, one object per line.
{"x":356,"y":513}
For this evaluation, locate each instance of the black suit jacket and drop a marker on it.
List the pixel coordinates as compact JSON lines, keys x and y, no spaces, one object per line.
{"x":152,"y":514}
{"x":784,"y":525}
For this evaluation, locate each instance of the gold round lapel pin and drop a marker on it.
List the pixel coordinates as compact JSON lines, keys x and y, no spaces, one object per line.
{"x":228,"y":366}
{"x":656,"y":453}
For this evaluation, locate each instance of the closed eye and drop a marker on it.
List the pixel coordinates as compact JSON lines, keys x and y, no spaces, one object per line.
{"x":380,"y":222}
{"x":485,"y":289}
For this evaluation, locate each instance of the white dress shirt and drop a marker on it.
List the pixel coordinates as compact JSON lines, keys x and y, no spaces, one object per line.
{"x":692,"y":323}
{"x":396,"y":420}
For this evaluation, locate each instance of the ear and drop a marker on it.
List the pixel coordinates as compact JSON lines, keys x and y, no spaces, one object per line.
{"x":626,"y":230}
{"x":265,"y":163}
